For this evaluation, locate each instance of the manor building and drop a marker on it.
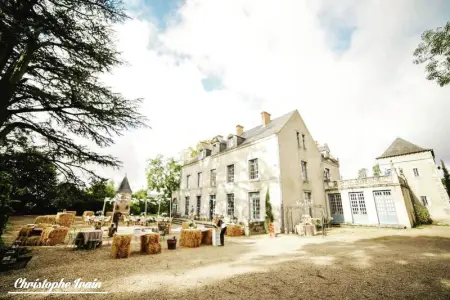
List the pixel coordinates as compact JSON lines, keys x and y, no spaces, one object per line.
{"x":232,"y":176}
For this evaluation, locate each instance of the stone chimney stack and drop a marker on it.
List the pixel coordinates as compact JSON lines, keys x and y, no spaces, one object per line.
{"x":239,"y":130}
{"x":265,"y":118}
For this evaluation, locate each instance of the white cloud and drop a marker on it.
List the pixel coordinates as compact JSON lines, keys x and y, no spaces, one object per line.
{"x":277,"y":56}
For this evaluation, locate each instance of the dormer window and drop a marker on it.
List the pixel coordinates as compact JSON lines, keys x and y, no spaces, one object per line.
{"x":231,"y":143}
{"x":216,"y":148}
{"x":202,"y":154}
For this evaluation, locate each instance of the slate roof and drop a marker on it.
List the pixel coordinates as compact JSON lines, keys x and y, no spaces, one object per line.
{"x":260,"y":132}
{"x":124,"y":186}
{"x":402,"y":147}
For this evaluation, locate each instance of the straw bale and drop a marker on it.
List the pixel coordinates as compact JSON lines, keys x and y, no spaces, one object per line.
{"x":43,"y":225}
{"x":234,"y":230}
{"x":65,"y":219}
{"x":73,"y":212}
{"x":24,"y":233}
{"x":33,"y":241}
{"x":207,"y":237}
{"x":121,"y":246}
{"x":148,"y":242}
{"x":49,"y":219}
{"x":185,"y":225}
{"x":190,"y":238}
{"x":54,"y":236}
{"x":88,"y":213}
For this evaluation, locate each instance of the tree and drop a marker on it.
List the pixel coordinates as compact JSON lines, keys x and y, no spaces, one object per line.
{"x":376,"y":170}
{"x":269,"y":214}
{"x":5,"y":202}
{"x":163,"y":176}
{"x":446,"y":179}
{"x":362,"y":173}
{"x":435,"y":51}
{"x":51,"y":55}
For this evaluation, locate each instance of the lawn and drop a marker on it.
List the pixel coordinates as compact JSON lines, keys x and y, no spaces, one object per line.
{"x":350,"y":263}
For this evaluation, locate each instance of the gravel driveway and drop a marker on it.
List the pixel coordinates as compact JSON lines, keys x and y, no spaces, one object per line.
{"x":350,"y":263}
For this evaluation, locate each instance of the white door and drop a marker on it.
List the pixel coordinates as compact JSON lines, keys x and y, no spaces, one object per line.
{"x":385,"y":207}
{"x":358,"y":207}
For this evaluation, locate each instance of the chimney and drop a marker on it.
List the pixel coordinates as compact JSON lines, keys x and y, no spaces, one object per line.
{"x":239,"y":130}
{"x":265,"y":118}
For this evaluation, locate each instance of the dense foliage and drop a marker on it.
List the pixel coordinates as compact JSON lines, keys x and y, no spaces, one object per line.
{"x":446,"y":179}
{"x":434,"y":50}
{"x":163,"y":176}
{"x":269,"y":214}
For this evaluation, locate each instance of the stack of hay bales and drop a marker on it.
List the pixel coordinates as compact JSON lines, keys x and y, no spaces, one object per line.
{"x":150,"y":243}
{"x":72,"y":212}
{"x":207,"y":237}
{"x":185,"y":225}
{"x":88,"y":213}
{"x":49,"y":219}
{"x":234,"y":230}
{"x":24,"y":233}
{"x":190,"y":238}
{"x":53,"y":236}
{"x":121,"y":246}
{"x":65,"y":219}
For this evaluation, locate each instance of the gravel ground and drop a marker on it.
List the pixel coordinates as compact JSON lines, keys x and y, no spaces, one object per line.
{"x":350,"y":263}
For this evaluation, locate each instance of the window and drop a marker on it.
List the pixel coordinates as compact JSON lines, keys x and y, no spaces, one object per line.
{"x":213,"y":177}
{"x":304,"y":171}
{"x":186,"y":206}
{"x":199,"y":205}
{"x":424,"y":200}
{"x":231,"y":143}
{"x":212,"y":206}
{"x":308,"y":201}
{"x":326,"y":174}
{"x":335,"y":204}
{"x":416,"y":172}
{"x":298,"y":139}
{"x":255,"y":205}
{"x":253,"y":168}
{"x":202,"y":154}
{"x":188,"y":186}
{"x":230,"y":173}
{"x":199,"y":179}
{"x":304,"y":141}
{"x":230,"y":205}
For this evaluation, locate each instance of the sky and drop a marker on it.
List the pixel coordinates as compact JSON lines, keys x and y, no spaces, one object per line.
{"x":204,"y":66}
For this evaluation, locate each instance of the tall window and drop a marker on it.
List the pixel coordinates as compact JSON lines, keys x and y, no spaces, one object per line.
{"x":253,"y":168}
{"x":304,"y":141}
{"x":416,"y":172}
{"x":213,"y":177}
{"x":187,"y":181}
{"x":212,"y":206}
{"x":326,"y":174}
{"x":255,"y":205}
{"x":307,"y":197}
{"x":298,"y":139}
{"x":186,"y":206}
{"x":230,"y":205}
{"x":304,"y":171}
{"x":230,"y":173}
{"x":199,"y":179}
{"x":424,"y":200}
{"x":357,"y":203}
{"x":199,"y":205}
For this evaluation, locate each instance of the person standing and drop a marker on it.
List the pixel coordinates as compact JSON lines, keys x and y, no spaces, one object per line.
{"x":116,"y":219}
{"x":221,"y":224}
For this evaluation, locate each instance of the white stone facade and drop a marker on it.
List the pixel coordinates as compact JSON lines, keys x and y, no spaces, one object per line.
{"x":280,"y":156}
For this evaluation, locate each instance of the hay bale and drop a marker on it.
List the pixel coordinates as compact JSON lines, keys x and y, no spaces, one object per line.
{"x":88,"y":213}
{"x":121,"y":246}
{"x":32,"y":241}
{"x":72,"y":212}
{"x":207,"y":237}
{"x":53,"y":236}
{"x":24,"y":233}
{"x":185,"y":225}
{"x":49,"y":219}
{"x":150,"y":243}
{"x":43,"y":225}
{"x":65,"y":219}
{"x":190,"y":238}
{"x":234,"y":230}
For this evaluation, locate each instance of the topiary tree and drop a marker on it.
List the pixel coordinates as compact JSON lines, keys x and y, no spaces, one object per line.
{"x":269,"y":214}
{"x":446,"y":179}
